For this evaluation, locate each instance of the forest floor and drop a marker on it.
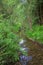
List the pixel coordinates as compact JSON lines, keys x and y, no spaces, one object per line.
{"x":36,"y":52}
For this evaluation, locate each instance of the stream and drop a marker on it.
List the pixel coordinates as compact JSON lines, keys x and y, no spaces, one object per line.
{"x":33,"y":50}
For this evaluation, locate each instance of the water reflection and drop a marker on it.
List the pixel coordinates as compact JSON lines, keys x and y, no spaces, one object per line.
{"x":24,"y":49}
{"x":22,"y":41}
{"x":23,"y":58}
{"x":23,"y":46}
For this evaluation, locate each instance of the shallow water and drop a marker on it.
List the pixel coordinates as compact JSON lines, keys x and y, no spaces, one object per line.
{"x":35,"y":51}
{"x":22,"y":44}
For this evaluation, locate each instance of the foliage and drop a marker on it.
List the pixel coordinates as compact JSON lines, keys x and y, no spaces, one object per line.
{"x":13,"y":17}
{"x":8,"y":42}
{"x":36,"y":33}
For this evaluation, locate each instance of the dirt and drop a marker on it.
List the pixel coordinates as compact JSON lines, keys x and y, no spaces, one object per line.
{"x":37,"y":54}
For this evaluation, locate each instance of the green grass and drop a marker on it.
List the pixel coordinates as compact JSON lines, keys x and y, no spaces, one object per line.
{"x":36,"y":33}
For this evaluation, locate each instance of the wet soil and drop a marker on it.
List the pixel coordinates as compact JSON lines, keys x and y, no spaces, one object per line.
{"x":36,"y":52}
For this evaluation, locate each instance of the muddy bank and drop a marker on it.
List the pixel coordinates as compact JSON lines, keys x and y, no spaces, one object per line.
{"x":37,"y":53}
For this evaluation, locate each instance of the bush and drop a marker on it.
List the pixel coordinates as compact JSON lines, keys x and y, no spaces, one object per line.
{"x":36,"y":33}
{"x":8,"y":43}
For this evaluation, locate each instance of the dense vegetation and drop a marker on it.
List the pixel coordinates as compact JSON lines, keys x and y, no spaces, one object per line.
{"x":18,"y":18}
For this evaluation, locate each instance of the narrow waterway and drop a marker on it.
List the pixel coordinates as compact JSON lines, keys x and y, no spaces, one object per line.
{"x":33,"y":50}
